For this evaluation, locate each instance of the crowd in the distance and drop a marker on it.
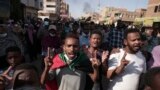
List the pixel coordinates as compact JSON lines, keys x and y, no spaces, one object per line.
{"x":78,"y":55}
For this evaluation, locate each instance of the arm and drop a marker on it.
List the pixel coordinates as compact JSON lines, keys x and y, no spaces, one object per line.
{"x":94,"y":76}
{"x":116,"y":71}
{"x":48,"y":63}
{"x":95,"y":65}
{"x":44,"y":76}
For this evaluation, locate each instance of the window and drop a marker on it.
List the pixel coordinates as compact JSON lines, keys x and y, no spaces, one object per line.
{"x":50,"y":0}
{"x":50,"y":6}
{"x":159,"y":8}
{"x":156,"y":9}
{"x":41,"y":4}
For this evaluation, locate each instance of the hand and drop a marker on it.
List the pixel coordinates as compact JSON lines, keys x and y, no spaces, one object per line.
{"x":6,"y":72}
{"x":48,"y":59}
{"x":124,"y":62}
{"x":95,"y":61}
{"x":51,"y":52}
{"x":104,"y":57}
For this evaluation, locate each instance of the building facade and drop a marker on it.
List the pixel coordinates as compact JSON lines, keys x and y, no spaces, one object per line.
{"x":31,"y":8}
{"x":153,"y":13}
{"x":111,"y":14}
{"x":153,"y":9}
{"x":5,"y":8}
{"x":64,"y":10}
{"x":53,"y":9}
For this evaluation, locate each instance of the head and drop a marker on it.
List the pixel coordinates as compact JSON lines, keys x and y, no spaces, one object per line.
{"x":75,"y":26}
{"x":152,"y":79}
{"x":95,"y":39}
{"x":119,"y":24}
{"x":25,"y":75}
{"x":92,"y":26}
{"x":71,"y":45}
{"x":86,"y":28}
{"x":132,"y":40}
{"x":144,"y":40}
{"x":148,"y":31}
{"x":14,"y":56}
{"x":52,"y":30}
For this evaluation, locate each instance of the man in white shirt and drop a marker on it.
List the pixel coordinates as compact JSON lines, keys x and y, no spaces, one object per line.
{"x":126,"y":66}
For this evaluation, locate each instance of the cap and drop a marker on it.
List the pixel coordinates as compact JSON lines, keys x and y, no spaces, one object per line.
{"x":52,"y":27}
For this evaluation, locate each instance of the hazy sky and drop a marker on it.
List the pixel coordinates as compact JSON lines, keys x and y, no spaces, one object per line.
{"x":78,"y":7}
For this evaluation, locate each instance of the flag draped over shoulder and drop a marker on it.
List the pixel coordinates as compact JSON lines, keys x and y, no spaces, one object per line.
{"x":60,"y":61}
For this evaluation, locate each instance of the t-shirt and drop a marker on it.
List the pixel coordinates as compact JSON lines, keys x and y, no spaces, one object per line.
{"x":129,"y":78}
{"x":72,"y":78}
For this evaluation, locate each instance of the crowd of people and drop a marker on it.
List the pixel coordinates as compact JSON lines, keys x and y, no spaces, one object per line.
{"x":78,"y":55}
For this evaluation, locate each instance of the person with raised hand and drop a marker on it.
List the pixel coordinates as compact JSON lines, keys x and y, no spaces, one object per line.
{"x":70,"y":68}
{"x":96,"y":54}
{"x":14,"y":58}
{"x":126,"y":66}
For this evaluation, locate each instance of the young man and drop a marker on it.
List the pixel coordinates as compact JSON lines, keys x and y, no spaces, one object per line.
{"x":14,"y":58}
{"x":125,"y":67}
{"x":7,"y":39}
{"x":94,"y":51}
{"x":70,"y":68}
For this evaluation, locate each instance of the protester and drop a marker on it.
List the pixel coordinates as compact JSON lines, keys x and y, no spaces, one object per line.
{"x":51,"y":40}
{"x":94,"y":51}
{"x":70,"y":68}
{"x":116,"y":35}
{"x":125,"y":67}
{"x":7,"y":39}
{"x":14,"y":57}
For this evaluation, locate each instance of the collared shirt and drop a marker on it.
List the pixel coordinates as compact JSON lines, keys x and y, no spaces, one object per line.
{"x":115,"y":38}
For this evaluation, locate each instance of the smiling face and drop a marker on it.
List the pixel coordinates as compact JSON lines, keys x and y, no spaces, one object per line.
{"x":71,"y":47}
{"x":133,"y":42}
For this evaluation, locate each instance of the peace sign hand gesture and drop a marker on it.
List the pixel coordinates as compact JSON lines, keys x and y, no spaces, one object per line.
{"x":124,"y":62}
{"x":95,"y":61}
{"x":6,"y":72}
{"x":48,"y":59}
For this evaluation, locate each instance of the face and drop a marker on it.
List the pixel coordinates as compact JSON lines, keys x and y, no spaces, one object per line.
{"x":14,"y":58}
{"x":52,"y":31}
{"x":71,"y":47}
{"x":133,"y":42}
{"x":75,"y":27}
{"x":95,"y":40}
{"x":149,"y":31}
{"x":86,"y":29}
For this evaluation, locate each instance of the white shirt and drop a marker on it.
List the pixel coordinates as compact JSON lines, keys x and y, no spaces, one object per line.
{"x":129,"y":78}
